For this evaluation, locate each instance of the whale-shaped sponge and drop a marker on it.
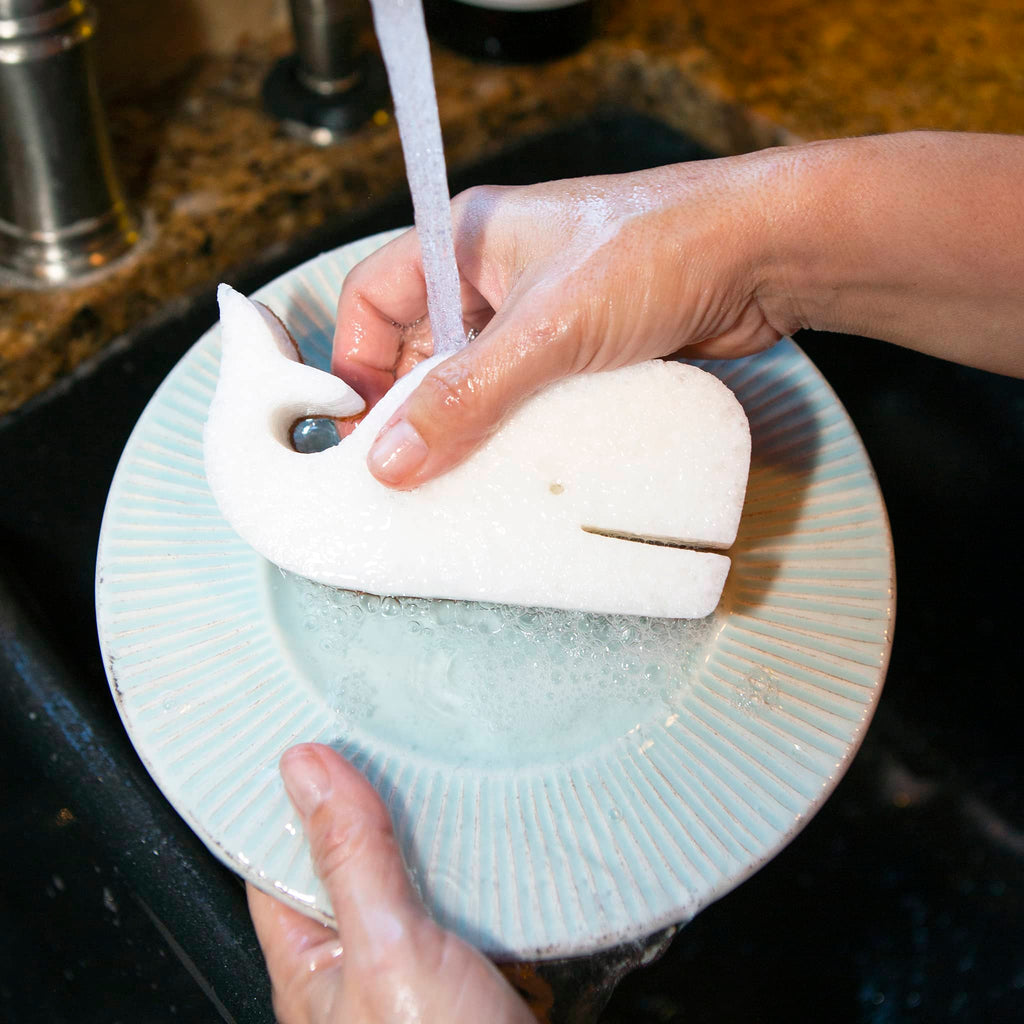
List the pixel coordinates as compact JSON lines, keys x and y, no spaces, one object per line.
{"x":608,"y":492}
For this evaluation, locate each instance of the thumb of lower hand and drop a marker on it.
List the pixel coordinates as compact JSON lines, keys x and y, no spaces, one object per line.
{"x":354,"y":850}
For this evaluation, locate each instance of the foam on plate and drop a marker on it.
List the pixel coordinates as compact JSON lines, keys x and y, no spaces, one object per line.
{"x":497,"y":683}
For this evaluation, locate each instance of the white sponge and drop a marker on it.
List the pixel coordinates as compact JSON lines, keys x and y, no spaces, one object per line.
{"x":553,"y":510}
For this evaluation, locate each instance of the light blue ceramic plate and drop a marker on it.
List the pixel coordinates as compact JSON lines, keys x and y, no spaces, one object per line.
{"x":632,"y":774}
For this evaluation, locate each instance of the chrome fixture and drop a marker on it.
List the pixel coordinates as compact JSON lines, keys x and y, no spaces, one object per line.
{"x":62,"y":213}
{"x":330,"y":86}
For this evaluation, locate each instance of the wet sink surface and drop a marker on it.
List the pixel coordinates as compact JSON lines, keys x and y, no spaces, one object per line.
{"x":901,"y":901}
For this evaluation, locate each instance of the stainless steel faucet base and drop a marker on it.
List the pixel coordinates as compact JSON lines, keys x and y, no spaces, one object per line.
{"x":321,"y":116}
{"x":327,"y":89}
{"x":62,"y":213}
{"x":62,"y":256}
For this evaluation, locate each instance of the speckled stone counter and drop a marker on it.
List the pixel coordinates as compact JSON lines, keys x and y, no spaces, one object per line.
{"x":217,"y":182}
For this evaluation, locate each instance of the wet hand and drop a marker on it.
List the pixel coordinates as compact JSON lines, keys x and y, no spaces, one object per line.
{"x":388,"y":962}
{"x":558,"y":278}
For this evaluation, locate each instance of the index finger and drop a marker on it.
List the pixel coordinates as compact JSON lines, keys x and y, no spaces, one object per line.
{"x":381,"y":295}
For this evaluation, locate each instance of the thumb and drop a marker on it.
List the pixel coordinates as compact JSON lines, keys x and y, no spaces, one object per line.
{"x":462,"y":400}
{"x":354,"y":851}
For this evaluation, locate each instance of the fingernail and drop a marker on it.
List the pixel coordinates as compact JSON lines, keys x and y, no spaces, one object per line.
{"x":305,"y":779}
{"x":397,"y":453}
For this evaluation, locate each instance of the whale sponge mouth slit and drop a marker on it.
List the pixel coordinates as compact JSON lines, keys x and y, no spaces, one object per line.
{"x":661,"y":542}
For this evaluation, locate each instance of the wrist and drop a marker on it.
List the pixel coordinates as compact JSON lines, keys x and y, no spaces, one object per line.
{"x":913,"y":238}
{"x":805,"y":200}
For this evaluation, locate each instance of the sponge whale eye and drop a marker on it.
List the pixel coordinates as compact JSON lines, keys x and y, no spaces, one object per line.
{"x":611,"y":492}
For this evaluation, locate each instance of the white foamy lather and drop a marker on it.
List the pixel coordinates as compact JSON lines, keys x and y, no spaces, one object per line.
{"x":660,"y":450}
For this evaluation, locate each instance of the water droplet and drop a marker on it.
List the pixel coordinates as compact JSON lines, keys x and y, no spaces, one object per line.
{"x":759,"y":690}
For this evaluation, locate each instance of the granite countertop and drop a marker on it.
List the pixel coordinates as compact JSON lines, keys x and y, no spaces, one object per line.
{"x":218,"y":182}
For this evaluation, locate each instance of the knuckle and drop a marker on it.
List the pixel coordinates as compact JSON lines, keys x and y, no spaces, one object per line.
{"x":453,"y":391}
{"x":357,"y":278}
{"x":340,"y":844}
{"x":473,"y":210}
{"x":476,"y":197}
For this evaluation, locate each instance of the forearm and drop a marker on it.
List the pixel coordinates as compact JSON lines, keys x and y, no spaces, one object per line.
{"x":916,"y":239}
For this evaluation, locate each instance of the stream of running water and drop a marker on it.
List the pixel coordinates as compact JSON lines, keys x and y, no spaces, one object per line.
{"x":402,"y":34}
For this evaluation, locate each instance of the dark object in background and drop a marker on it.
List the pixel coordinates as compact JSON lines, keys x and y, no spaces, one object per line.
{"x":333,"y":83}
{"x":516,"y":33}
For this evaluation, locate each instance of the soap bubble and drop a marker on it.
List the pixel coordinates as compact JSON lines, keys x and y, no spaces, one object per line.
{"x":491,"y":681}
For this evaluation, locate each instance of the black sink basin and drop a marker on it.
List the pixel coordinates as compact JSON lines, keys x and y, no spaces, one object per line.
{"x":902,"y":901}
